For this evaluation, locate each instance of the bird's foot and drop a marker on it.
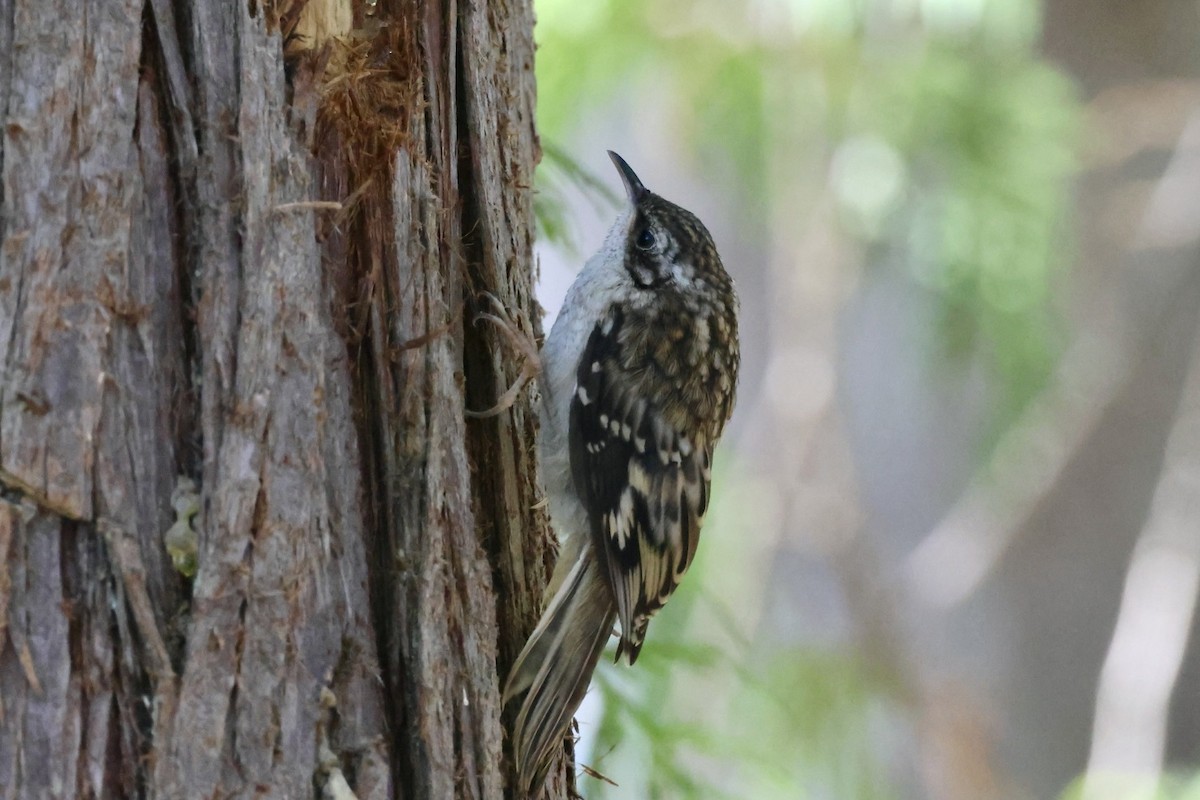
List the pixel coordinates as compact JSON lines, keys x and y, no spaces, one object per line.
{"x":523,"y":342}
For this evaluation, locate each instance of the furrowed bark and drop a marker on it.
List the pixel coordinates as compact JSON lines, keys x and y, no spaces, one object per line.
{"x":242,"y":245}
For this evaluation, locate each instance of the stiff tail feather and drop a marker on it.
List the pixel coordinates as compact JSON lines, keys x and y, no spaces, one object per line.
{"x":551,"y":676}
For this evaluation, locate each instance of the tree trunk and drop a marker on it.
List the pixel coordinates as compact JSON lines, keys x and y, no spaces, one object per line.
{"x":241,"y":245}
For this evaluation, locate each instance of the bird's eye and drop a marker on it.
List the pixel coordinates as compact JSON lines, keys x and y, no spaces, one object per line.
{"x":645,"y":239}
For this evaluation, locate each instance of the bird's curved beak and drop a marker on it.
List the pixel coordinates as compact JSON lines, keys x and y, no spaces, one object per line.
{"x":633,"y":184}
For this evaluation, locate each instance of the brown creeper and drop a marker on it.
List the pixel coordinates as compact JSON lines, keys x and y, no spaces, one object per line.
{"x":638,"y":378}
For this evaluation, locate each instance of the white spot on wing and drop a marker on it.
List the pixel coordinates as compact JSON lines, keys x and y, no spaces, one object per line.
{"x":620,"y":521}
{"x":639,"y":479}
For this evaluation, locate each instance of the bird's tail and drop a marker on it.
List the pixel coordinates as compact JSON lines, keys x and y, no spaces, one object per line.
{"x":551,"y":676}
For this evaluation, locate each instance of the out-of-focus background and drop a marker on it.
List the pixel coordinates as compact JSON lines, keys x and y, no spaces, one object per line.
{"x":954,"y":546}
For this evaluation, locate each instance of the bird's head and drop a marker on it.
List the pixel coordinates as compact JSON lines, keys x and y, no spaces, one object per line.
{"x":665,"y":246}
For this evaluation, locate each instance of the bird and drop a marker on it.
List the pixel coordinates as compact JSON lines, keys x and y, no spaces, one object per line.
{"x":638,"y":378}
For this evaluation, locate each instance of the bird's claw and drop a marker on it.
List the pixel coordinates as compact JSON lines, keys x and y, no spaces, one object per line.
{"x":523,"y":343}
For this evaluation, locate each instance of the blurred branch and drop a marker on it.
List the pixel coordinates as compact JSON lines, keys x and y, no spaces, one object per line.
{"x":1155,"y":618}
{"x":971,"y":539}
{"x":815,"y":473}
{"x":967,"y":545}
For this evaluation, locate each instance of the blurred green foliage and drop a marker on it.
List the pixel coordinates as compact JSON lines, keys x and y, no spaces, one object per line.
{"x":945,"y":140}
{"x":707,"y":714}
{"x":946,"y":144}
{"x":797,"y":718}
{"x":558,"y":172}
{"x":1170,"y":787}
